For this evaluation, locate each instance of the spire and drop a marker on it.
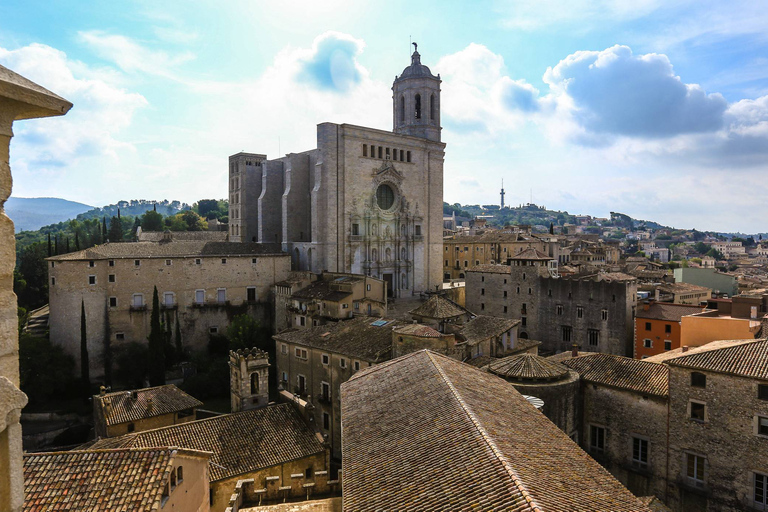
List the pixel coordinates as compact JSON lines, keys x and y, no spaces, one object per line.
{"x":502,"y":193}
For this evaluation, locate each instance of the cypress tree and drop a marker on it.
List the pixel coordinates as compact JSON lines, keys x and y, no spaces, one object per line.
{"x":77,"y":241}
{"x":84,"y":364}
{"x":104,"y":229}
{"x":49,"y":246}
{"x":56,"y":244}
{"x":67,"y":245}
{"x":115,"y":230}
{"x":551,"y":228}
{"x":156,"y":348}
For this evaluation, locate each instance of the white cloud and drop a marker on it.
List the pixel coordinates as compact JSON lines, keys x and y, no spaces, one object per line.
{"x":539,"y":14}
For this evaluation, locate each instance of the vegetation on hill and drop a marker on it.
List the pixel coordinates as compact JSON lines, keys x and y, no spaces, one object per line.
{"x":29,"y":213}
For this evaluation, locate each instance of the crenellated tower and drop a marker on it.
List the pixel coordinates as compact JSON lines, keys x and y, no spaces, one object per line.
{"x":249,"y":379}
{"x":416,"y":101}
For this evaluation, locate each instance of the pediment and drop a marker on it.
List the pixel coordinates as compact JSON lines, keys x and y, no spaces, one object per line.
{"x":388,"y":171}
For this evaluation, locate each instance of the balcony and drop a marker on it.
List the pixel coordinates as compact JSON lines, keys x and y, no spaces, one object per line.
{"x":355,"y":238}
{"x":143,"y":307}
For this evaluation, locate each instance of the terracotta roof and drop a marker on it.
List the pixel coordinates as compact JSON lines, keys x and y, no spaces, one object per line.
{"x":241,"y":442}
{"x":492,"y":269}
{"x":424,"y":331}
{"x":174,"y":249}
{"x":356,"y":337}
{"x":99,"y":480}
{"x":321,"y":290}
{"x":125,"y":406}
{"x":527,"y":367}
{"x":483,"y":327}
{"x":622,"y":372}
{"x":426,"y":432}
{"x":666,"y":311}
{"x":157,"y":236}
{"x":488,"y":236}
{"x":440,"y":308}
{"x":564,"y":356}
{"x":531,"y":254}
{"x":682,"y":288}
{"x":615,"y":276}
{"x":746,"y":359}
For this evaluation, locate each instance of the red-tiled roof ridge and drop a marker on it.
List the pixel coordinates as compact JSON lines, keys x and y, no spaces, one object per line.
{"x":623,"y":373}
{"x":744,"y":358}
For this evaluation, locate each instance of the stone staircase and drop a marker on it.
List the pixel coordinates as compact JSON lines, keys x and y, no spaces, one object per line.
{"x":37,"y":323}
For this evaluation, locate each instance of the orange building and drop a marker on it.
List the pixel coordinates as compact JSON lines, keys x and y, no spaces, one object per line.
{"x":657,"y":327}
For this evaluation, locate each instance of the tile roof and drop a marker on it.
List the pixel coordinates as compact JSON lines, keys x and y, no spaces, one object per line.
{"x":99,"y":480}
{"x":483,"y":327}
{"x":423,"y":331}
{"x":666,"y":311}
{"x":240,"y":442}
{"x":356,"y":337}
{"x":531,"y":254}
{"x":681,"y":288}
{"x":564,"y":356}
{"x":157,"y":236}
{"x":527,"y":367}
{"x":125,"y":406}
{"x":746,"y":359}
{"x":488,"y":236}
{"x":622,"y":372}
{"x":321,"y":290}
{"x":615,"y":276}
{"x":491,"y":269}
{"x":439,"y":307}
{"x":426,"y":432}
{"x":174,"y":249}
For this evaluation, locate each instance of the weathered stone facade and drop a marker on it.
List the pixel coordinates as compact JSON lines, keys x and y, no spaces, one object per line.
{"x":365,"y":201}
{"x":248,"y":379}
{"x":200,"y":288}
{"x":594,"y":312}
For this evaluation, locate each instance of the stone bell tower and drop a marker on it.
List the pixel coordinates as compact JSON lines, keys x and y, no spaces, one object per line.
{"x":248,"y":379}
{"x":416,"y":101}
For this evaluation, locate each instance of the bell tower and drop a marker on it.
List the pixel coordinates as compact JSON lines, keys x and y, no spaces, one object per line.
{"x":416,"y":101}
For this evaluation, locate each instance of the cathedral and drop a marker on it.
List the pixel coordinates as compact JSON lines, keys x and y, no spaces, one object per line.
{"x":365,"y":201}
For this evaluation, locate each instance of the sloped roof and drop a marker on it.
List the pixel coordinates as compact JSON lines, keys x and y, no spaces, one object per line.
{"x":528,"y":367}
{"x":173,"y":249}
{"x":746,"y":359}
{"x":321,"y":290}
{"x":622,"y":372}
{"x":34,"y":100}
{"x":440,"y":308}
{"x":483,"y":327}
{"x":667,"y":311}
{"x":122,"y":407}
{"x":426,"y":432}
{"x":357,"y":337}
{"x":424,"y":331}
{"x":531,"y":254}
{"x":240,"y":442}
{"x":492,"y":269}
{"x":157,"y":236}
{"x":99,"y":480}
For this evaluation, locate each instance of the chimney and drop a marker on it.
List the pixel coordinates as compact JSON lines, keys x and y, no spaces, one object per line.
{"x":646,"y":305}
{"x":574,"y":350}
{"x":149,"y":405}
{"x":685,"y":348}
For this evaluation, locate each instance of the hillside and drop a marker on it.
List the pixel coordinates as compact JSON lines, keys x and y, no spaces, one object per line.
{"x":32,"y":213}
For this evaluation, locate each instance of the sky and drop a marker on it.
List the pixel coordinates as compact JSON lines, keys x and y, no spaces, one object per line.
{"x":656,"y":109}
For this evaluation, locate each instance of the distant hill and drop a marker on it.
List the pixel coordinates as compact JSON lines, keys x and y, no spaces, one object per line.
{"x":32,"y":213}
{"x":135,"y":207}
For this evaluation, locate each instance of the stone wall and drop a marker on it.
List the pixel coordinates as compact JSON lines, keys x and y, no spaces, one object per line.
{"x":562,"y":401}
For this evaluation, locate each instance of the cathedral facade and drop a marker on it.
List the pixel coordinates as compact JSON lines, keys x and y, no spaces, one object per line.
{"x":365,"y":201}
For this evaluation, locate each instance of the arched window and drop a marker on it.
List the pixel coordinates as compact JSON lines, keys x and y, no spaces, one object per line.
{"x":296,"y":259}
{"x":402,"y":109}
{"x":432,"y":108}
{"x":254,"y":383}
{"x":173,"y":480}
{"x":417,"y":109}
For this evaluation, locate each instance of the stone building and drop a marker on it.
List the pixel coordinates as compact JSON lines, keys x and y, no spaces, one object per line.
{"x":19,"y":99}
{"x":365,"y":201}
{"x":681,"y":293}
{"x":135,"y":479}
{"x":594,"y":311}
{"x":248,"y":379}
{"x":441,"y":313}
{"x":123,"y":412}
{"x":447,"y":436}
{"x":272,"y":445}
{"x":201,"y":286}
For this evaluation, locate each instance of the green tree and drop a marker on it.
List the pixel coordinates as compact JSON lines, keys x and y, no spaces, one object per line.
{"x":245,"y":332}
{"x":34,"y":273}
{"x":104,"y":232}
{"x":45,"y":370}
{"x":716,"y":254}
{"x":193,"y":221}
{"x":132,"y":364}
{"x":115,"y":230}
{"x":208,"y":208}
{"x":156,"y":340}
{"x":151,"y":221}
{"x":85,"y":371}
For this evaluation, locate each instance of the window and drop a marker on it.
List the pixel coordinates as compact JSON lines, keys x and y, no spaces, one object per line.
{"x":593,"y":337}
{"x":214,"y":329}
{"x":111,"y":278}
{"x":53,"y":281}
{"x":325,"y":358}
{"x":199,"y":296}
{"x":111,"y":263}
{"x":91,"y":279}
{"x":647,"y":343}
{"x":698,"y":380}
{"x":301,"y":353}
{"x":221,"y":295}
{"x":285,"y":377}
{"x":482,"y":306}
{"x":604,"y":314}
{"x":343,"y":362}
{"x":250,"y":294}
{"x":639,"y":452}
{"x":698,"y":411}
{"x":136,"y":263}
{"x":647,"y":326}
{"x":131,"y":427}
{"x":91,"y":263}
{"x":505,"y":309}
{"x":253,"y":260}
{"x":523,"y":321}
{"x":762,"y":391}
{"x":667,"y":329}
{"x":694,"y":469}
{"x":167,"y":263}
{"x":365,"y":149}
{"x":325,"y":391}
{"x":559,"y":309}
{"x":408,"y":156}
{"x":596,"y":439}
{"x":169,"y":299}
{"x":566,"y":331}
{"x":762,"y":426}
{"x":180,"y":474}
{"x":355,"y":229}
{"x":667,"y":345}
{"x":357,"y":365}
{"x":417,"y":230}
{"x":505,"y":293}
{"x":113,"y":302}
{"x":283,"y":348}
{"x":198,"y":261}
{"x":579,"y":312}
{"x":119,"y":336}
{"x":761,"y":491}
{"x":302,"y":381}
{"x":326,"y":421}
{"x":223,"y":261}
{"x":138,"y":300}
{"x":417,"y":109}
{"x":482,"y":291}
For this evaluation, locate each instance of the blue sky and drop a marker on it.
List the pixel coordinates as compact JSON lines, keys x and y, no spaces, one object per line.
{"x":657,"y":109}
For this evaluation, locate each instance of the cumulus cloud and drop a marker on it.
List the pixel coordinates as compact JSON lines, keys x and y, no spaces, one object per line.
{"x":331,"y":62}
